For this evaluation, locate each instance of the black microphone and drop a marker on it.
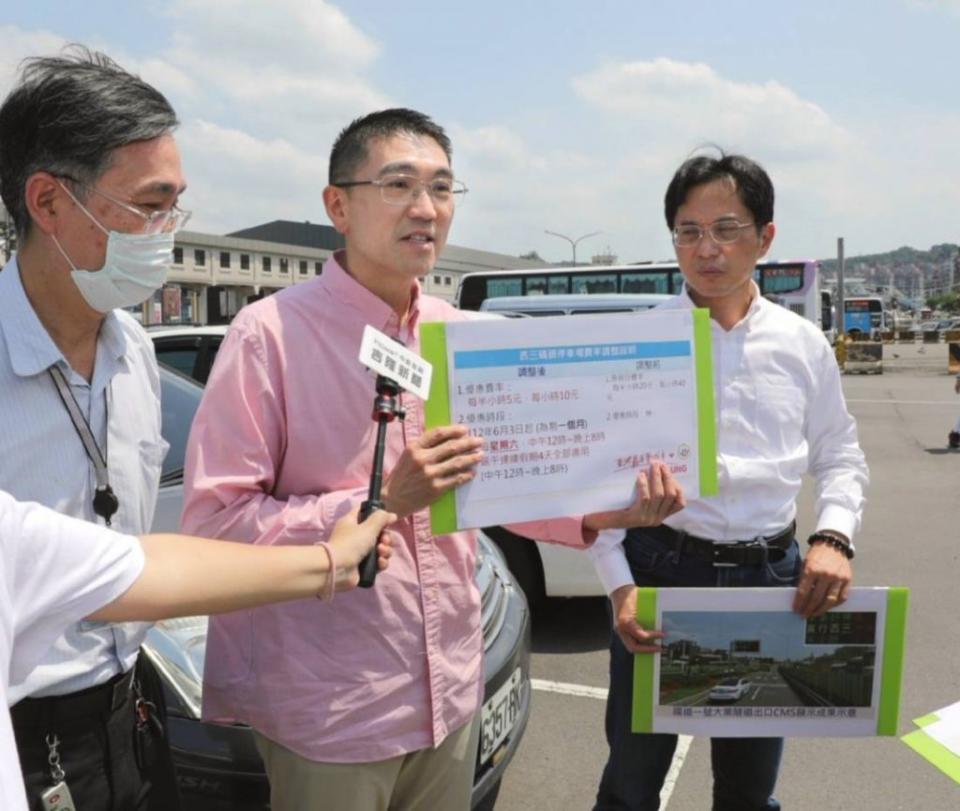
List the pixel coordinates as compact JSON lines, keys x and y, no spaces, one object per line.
{"x":385,"y":410}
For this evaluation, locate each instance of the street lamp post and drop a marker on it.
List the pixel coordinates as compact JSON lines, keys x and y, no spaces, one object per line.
{"x":573,"y":242}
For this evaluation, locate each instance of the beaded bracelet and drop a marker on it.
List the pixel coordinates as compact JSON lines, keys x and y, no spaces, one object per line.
{"x":831,"y":539}
{"x":330,"y":587}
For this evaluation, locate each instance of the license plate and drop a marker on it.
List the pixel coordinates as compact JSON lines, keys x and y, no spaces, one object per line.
{"x":499,"y":714}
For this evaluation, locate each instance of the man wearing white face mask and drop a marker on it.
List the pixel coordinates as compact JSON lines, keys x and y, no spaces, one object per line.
{"x":90,"y":174}
{"x":135,"y":265}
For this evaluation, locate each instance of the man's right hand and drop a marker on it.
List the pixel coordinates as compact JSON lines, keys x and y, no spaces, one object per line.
{"x":634,"y":637}
{"x":441,"y":459}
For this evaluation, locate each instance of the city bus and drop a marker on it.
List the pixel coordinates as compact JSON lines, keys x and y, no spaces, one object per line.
{"x":864,"y":316}
{"x":793,"y":284}
{"x":572,"y":304}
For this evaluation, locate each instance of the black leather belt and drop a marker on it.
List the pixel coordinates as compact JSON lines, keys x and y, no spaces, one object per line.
{"x":734,"y":553}
{"x":103,"y":699}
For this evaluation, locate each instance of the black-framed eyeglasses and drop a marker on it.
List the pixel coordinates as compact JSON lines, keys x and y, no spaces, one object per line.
{"x":722,"y":232}
{"x":403,"y":190}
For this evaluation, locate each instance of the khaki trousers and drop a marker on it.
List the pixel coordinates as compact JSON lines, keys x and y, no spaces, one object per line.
{"x":426,"y":780}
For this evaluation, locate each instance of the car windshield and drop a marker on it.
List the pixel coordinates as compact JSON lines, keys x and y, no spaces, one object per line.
{"x":729,"y":683}
{"x":179,"y":400}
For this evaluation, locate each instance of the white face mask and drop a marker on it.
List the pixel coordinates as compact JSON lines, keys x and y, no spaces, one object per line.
{"x":134,"y":268}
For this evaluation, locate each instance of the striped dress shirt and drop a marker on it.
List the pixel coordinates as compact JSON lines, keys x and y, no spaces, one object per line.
{"x":43,"y":460}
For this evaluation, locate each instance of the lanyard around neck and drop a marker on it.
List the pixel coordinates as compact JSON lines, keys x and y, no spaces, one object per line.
{"x":105,"y":502}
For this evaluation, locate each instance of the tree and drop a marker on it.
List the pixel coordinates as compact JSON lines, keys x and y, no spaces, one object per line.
{"x":8,"y":237}
{"x":947,"y":302}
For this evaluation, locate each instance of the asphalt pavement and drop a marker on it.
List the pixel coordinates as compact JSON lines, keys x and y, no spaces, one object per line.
{"x":910,"y":537}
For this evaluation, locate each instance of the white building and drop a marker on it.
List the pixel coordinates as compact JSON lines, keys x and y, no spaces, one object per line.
{"x":214,"y":276}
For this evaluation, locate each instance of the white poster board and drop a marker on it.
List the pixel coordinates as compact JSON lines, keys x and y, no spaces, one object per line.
{"x":571,"y":409}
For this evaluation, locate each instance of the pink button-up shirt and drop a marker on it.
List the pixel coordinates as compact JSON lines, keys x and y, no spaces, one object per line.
{"x":281,"y":447}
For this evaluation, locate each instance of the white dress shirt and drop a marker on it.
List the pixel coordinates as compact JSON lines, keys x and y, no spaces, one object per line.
{"x":43,"y":460}
{"x":780,"y":414}
{"x":95,"y":566}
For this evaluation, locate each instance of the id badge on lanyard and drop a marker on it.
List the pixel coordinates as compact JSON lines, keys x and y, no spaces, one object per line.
{"x":105,"y":501}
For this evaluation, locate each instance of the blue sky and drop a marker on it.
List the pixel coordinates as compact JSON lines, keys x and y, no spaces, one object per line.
{"x":566,"y":116}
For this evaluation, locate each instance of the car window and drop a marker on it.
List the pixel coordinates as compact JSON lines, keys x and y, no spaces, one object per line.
{"x":179,"y":400}
{"x":183,"y":360}
{"x":179,"y":352}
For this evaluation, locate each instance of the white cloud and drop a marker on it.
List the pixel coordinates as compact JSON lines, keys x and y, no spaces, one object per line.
{"x":19,"y":44}
{"x":665,"y":99}
{"x":519,"y":188}
{"x":298,"y":34}
{"x":237,"y":180}
{"x":275,"y":76}
{"x":857,"y":178}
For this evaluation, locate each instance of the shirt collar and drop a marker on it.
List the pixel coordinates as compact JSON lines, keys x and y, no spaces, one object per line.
{"x":374,"y":309}
{"x":31,"y":348}
{"x":756,"y":304}
{"x":29,"y":345}
{"x":112,"y":337}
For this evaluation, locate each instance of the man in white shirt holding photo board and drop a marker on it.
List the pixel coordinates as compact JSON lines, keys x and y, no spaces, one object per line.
{"x":780,"y":415}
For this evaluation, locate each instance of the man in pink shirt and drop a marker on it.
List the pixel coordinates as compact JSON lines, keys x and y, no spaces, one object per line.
{"x":365,"y":703}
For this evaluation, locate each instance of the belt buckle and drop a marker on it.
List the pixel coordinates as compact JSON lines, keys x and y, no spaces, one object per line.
{"x":718,"y":551}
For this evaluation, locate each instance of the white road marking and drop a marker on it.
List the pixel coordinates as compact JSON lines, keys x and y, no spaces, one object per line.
{"x":585,"y":691}
{"x":670,"y":781}
{"x":905,"y":402}
{"x":567,"y":689}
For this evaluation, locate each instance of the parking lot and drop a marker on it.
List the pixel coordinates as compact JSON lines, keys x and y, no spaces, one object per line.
{"x":910,"y":537}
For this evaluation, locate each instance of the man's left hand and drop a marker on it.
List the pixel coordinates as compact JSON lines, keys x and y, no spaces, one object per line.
{"x":658,"y":495}
{"x":825,"y":581}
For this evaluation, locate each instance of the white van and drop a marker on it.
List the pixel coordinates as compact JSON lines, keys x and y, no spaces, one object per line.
{"x":572,"y":304}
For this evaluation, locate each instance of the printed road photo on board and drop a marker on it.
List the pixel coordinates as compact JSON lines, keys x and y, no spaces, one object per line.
{"x":752,"y":659}
{"x":740,"y":662}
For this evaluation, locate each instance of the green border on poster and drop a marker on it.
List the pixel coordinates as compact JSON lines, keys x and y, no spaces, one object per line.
{"x":436,"y":412}
{"x":935,"y":752}
{"x":644,"y":688}
{"x":931,"y":750}
{"x":894,"y":634}
{"x":706,"y":419}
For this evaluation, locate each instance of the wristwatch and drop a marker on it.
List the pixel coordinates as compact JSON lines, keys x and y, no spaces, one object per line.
{"x":834,"y":539}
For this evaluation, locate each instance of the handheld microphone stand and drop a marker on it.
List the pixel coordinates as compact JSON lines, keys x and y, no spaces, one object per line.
{"x":385,"y":410}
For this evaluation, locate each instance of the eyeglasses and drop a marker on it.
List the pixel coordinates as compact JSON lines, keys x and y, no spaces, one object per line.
{"x":168,"y":221}
{"x":403,"y":190}
{"x":722,"y":232}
